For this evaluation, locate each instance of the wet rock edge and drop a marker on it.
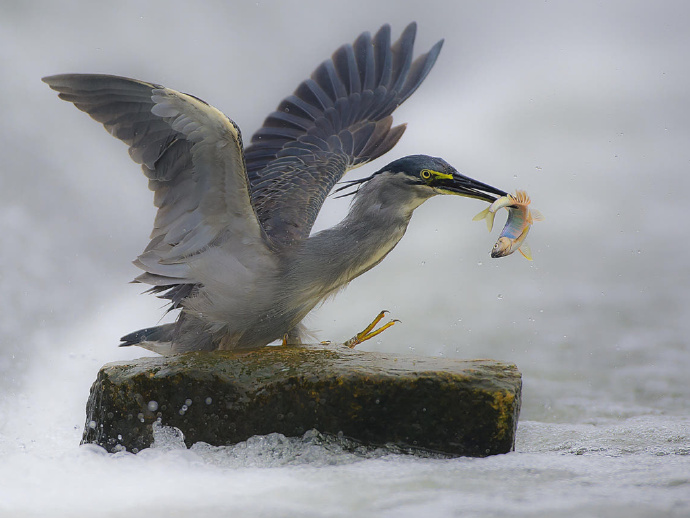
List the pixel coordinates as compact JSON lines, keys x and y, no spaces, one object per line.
{"x":455,"y":407}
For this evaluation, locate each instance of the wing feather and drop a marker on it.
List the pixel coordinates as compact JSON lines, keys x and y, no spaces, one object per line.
{"x":338,"y":119}
{"x":192,"y":155}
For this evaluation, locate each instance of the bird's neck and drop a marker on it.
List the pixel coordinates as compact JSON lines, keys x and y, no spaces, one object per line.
{"x":330,"y":259}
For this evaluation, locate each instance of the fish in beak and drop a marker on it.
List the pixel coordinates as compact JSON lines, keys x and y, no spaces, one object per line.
{"x":520,"y":220}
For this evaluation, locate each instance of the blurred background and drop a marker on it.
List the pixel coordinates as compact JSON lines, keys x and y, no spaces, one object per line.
{"x":583,"y":104}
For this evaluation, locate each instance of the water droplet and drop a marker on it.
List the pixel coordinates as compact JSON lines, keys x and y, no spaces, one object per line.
{"x":499,"y":297}
{"x":188,"y":402}
{"x":479,"y":263}
{"x":153,"y":406}
{"x":209,"y":400}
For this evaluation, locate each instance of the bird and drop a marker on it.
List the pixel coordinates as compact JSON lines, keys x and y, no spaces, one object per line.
{"x":231,"y":246}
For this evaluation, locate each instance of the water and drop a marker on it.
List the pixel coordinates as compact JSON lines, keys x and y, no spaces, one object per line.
{"x":584,"y":106}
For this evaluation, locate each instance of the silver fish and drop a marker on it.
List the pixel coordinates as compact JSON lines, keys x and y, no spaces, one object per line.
{"x":520,"y":220}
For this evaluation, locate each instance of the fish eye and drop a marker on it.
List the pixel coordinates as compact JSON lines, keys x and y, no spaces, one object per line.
{"x":425,"y":174}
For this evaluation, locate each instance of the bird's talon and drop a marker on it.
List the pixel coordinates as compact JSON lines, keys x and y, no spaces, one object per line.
{"x":374,"y":323}
{"x":369,"y":331}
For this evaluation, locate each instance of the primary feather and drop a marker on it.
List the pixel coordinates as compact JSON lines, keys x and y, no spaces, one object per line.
{"x":338,"y":119}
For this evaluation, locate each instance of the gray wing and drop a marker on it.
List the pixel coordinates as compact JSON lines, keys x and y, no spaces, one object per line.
{"x":192,"y":155}
{"x":338,"y":119}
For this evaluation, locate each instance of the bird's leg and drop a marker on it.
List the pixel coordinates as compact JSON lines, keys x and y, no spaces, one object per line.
{"x":295,"y":336}
{"x":369,"y":331}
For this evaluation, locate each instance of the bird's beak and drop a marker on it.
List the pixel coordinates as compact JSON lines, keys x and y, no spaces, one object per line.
{"x":461,"y":185}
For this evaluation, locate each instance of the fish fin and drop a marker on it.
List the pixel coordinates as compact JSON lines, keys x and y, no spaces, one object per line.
{"x":488,"y":216}
{"x":536,"y":215}
{"x":525,"y":250}
{"x":521,"y":197}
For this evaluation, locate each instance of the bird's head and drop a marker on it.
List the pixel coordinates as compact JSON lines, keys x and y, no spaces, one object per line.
{"x":428,"y":176}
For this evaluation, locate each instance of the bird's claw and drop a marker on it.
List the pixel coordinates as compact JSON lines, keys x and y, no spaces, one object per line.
{"x":369,"y":331}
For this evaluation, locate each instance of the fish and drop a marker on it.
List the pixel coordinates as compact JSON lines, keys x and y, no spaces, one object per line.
{"x":520,"y":220}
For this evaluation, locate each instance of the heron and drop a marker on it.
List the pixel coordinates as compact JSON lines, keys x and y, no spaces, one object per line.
{"x":231,"y":246}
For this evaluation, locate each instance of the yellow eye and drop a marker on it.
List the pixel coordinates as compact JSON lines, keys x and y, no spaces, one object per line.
{"x":426,"y":174}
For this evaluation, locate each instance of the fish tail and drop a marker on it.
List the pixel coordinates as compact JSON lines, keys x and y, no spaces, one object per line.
{"x":488,"y":216}
{"x":481,"y":215}
{"x":490,"y":220}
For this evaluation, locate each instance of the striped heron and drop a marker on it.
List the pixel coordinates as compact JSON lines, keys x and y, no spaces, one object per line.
{"x":231,"y":245}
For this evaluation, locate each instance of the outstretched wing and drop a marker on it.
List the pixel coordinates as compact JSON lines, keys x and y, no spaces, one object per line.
{"x":338,"y":119}
{"x":192,"y":155}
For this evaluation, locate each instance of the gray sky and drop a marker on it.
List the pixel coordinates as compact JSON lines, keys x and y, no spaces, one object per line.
{"x":584,"y":104}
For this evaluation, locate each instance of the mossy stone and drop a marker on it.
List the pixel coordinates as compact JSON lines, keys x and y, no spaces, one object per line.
{"x":457,"y":407}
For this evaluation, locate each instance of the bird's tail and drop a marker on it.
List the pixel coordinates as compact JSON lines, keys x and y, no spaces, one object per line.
{"x":157,"y":339}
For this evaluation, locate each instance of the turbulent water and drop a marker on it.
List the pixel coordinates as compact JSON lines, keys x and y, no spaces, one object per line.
{"x":583,"y":105}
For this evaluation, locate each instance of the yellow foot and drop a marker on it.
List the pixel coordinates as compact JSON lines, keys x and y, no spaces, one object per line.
{"x":369,"y":332}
